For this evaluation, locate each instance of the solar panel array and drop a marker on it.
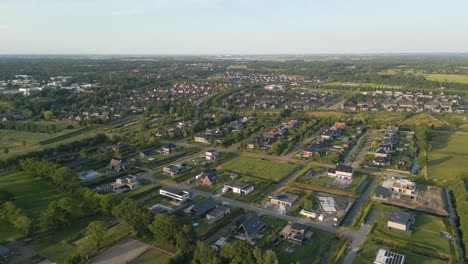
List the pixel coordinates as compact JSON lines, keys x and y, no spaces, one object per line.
{"x":393,"y":258}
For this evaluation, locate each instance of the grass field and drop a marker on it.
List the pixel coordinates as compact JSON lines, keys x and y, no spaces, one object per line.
{"x":440,"y":77}
{"x":266,"y":169}
{"x":424,"y":238}
{"x":150,"y":256}
{"x":369,"y":250}
{"x":32,"y":195}
{"x":13,"y":140}
{"x":424,"y":118}
{"x":357,"y":84}
{"x":448,"y":152}
{"x":447,"y":77}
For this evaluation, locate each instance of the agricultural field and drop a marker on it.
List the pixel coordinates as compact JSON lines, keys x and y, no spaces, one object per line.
{"x":260,"y":168}
{"x":424,"y":239}
{"x":458,"y":78}
{"x":361,"y":84}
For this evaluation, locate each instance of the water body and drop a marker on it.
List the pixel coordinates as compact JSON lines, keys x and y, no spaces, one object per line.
{"x":415,"y":167}
{"x":345,"y":161}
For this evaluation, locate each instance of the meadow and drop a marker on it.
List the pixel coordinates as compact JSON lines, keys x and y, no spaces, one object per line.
{"x":261,"y":168}
{"x":448,"y":153}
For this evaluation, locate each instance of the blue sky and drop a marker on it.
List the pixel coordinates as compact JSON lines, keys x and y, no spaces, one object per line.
{"x":232,"y":27}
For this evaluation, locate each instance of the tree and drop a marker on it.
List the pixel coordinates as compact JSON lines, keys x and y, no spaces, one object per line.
{"x":135,"y":216}
{"x":47,"y":115}
{"x":204,"y":255}
{"x":15,"y":216}
{"x":238,"y":252}
{"x":6,"y":150}
{"x":58,"y":213}
{"x":95,"y":233}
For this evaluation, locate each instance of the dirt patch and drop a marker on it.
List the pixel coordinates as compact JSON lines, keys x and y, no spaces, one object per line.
{"x":122,"y":253}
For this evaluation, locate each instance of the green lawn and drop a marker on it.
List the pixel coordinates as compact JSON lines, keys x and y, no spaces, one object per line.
{"x":424,"y":238}
{"x":448,"y":152}
{"x":266,"y":169}
{"x":150,"y":256}
{"x":369,"y":250}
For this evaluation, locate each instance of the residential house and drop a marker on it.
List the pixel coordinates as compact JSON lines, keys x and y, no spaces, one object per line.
{"x":176,"y":169}
{"x":250,"y":227}
{"x":381,"y":161}
{"x":381,"y":152}
{"x":341,"y":171}
{"x":203,"y":206}
{"x":128,"y":182}
{"x":218,"y":213}
{"x":400,"y":220}
{"x":382,"y":192}
{"x":175,"y":194}
{"x":117,"y":165}
{"x":202,"y":139}
{"x":208,"y":177}
{"x":295,"y":233}
{"x":168,"y":149}
{"x":314,"y":149}
{"x":211,"y":154}
{"x":285,"y":199}
{"x":239,"y":187}
{"x":147,"y":152}
{"x":388,"y":257}
{"x":405,"y":187}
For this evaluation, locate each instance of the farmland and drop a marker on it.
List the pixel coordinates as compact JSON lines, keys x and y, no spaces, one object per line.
{"x":261,"y":168}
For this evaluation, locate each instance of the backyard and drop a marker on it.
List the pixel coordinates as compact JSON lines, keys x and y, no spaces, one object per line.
{"x":425,"y":238}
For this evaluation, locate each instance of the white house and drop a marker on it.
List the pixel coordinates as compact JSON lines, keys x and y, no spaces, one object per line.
{"x":211,"y":154}
{"x":239,"y":187}
{"x":341,"y":172}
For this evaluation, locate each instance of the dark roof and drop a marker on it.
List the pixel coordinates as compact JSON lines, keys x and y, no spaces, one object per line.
{"x":382,"y":191}
{"x":252,"y":225}
{"x":240,"y":185}
{"x":381,"y":151}
{"x":400,"y":217}
{"x":298,"y":226}
{"x":211,"y":174}
{"x":204,"y":206}
{"x":56,"y":156}
{"x":383,"y":160}
{"x":77,"y":162}
{"x":218,"y":211}
{"x":331,"y":170}
{"x":169,"y":146}
{"x":344,"y":168}
{"x":286,"y":197}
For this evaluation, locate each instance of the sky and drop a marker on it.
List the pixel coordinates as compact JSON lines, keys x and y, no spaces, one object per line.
{"x":232,"y":26}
